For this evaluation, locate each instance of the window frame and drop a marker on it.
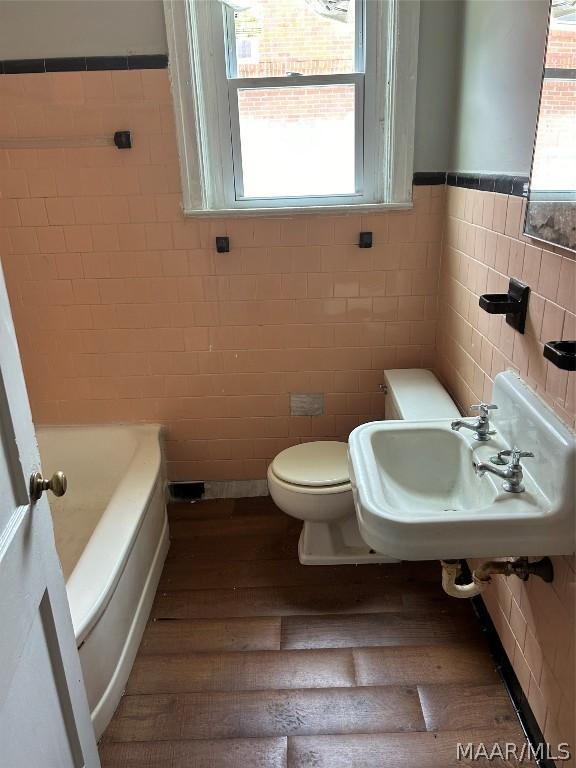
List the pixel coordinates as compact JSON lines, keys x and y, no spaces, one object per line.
{"x":201,"y":92}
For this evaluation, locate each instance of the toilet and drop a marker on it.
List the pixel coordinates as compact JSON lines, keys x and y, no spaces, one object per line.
{"x":311,"y":481}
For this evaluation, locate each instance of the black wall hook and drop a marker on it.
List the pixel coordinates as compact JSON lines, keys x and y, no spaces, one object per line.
{"x":562,"y":354}
{"x":513,"y":304}
{"x":123,"y":139}
{"x":365,"y":240}
{"x":222,"y":244}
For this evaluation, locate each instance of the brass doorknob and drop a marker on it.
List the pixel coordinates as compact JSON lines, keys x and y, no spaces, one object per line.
{"x":57,"y":484}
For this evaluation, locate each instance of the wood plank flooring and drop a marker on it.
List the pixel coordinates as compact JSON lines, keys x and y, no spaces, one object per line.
{"x":251,"y":660}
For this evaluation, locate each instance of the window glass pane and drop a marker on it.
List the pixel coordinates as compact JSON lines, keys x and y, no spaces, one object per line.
{"x":275,"y":38}
{"x":554,"y":166}
{"x":297,"y":141}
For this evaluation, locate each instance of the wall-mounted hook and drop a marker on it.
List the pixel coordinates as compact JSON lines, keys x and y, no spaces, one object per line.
{"x":562,"y":354}
{"x":513,"y":304}
{"x":223,"y":244}
{"x":123,"y":139}
{"x":365,"y":240}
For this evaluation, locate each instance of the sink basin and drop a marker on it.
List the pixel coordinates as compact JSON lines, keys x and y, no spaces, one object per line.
{"x":417,"y":496}
{"x":424,"y":467}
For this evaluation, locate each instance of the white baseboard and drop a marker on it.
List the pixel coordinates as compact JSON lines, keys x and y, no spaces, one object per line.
{"x":235,"y":489}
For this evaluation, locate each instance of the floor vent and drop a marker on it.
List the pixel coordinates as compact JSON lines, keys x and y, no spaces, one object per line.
{"x":186,"y":491}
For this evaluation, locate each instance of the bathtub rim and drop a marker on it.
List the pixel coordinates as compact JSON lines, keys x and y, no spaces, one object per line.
{"x":113,"y":538}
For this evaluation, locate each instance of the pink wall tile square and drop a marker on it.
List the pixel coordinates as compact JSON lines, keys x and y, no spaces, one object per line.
{"x":142,"y":208}
{"x":500,"y":213}
{"x":159,"y":236}
{"x":532,"y":263}
{"x":60,"y":210}
{"x":127,"y":86}
{"x":32,"y":212}
{"x":105,"y":237}
{"x":401,"y":228}
{"x":41,"y":266}
{"x":114,"y":209}
{"x":399,"y":283}
{"x":513,"y":215}
{"x":9,"y":215}
{"x":85,"y":291}
{"x":516,"y":262}
{"x":186,"y":235}
{"x":78,"y":238}
{"x":23,"y":240}
{"x":14,"y":183}
{"x":566,"y":295}
{"x":549,"y":275}
{"x":502,"y":255}
{"x":537,"y":701}
{"x":132,"y":237}
{"x":42,"y":183}
{"x":50,"y":239}
{"x":552,"y":322}
{"x":97,"y":87}
{"x":87,"y":210}
{"x":521,"y":669}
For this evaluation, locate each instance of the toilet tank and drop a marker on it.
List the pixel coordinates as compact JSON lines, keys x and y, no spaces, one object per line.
{"x":416,"y":394}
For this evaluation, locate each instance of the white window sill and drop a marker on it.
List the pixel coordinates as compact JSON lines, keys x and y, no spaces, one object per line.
{"x":291,"y":210}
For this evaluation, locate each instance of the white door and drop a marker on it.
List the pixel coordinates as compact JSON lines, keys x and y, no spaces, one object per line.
{"x":44,"y":716}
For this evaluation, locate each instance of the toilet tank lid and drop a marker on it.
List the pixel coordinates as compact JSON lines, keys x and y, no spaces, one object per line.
{"x":315,"y":464}
{"x":418,"y":394}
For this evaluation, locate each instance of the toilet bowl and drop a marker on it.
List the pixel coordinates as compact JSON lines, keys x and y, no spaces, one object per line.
{"x":311,"y":481}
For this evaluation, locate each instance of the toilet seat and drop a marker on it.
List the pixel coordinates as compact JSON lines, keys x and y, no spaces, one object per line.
{"x":313,"y":466}
{"x":309,"y":490}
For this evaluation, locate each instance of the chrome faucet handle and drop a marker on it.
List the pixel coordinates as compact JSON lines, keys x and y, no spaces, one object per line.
{"x":484,"y":408}
{"x":515,"y":455}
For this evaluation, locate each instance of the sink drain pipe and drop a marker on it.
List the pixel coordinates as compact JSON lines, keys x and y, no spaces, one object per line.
{"x":481,"y":576}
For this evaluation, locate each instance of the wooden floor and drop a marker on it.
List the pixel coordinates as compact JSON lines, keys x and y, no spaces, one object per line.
{"x":251,"y":660}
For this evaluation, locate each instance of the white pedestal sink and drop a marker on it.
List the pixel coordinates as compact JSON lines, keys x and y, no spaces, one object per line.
{"x":418,"y":497}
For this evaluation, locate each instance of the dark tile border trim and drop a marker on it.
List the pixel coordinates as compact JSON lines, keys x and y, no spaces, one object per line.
{"x":22,"y":66}
{"x":99,"y":63}
{"x":557,"y":73}
{"x":71,"y":64}
{"x":429,"y":178}
{"x":505,"y":669}
{"x":152,"y":61}
{"x":83,"y":64}
{"x":506,"y":185}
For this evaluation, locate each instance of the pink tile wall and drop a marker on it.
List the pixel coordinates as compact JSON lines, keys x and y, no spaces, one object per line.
{"x":483,"y":248}
{"x":124,"y":312}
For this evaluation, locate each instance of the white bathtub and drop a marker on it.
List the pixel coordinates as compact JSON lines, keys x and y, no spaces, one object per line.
{"x":111,"y":534}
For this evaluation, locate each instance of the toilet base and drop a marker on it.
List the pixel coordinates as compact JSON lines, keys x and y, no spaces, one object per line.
{"x":336,"y":543}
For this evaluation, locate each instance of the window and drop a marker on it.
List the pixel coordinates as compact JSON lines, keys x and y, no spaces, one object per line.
{"x":282,"y":106}
{"x":247,"y":50}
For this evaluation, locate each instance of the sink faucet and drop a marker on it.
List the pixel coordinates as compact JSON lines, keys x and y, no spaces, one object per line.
{"x":512,"y":474}
{"x":481,"y":426}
